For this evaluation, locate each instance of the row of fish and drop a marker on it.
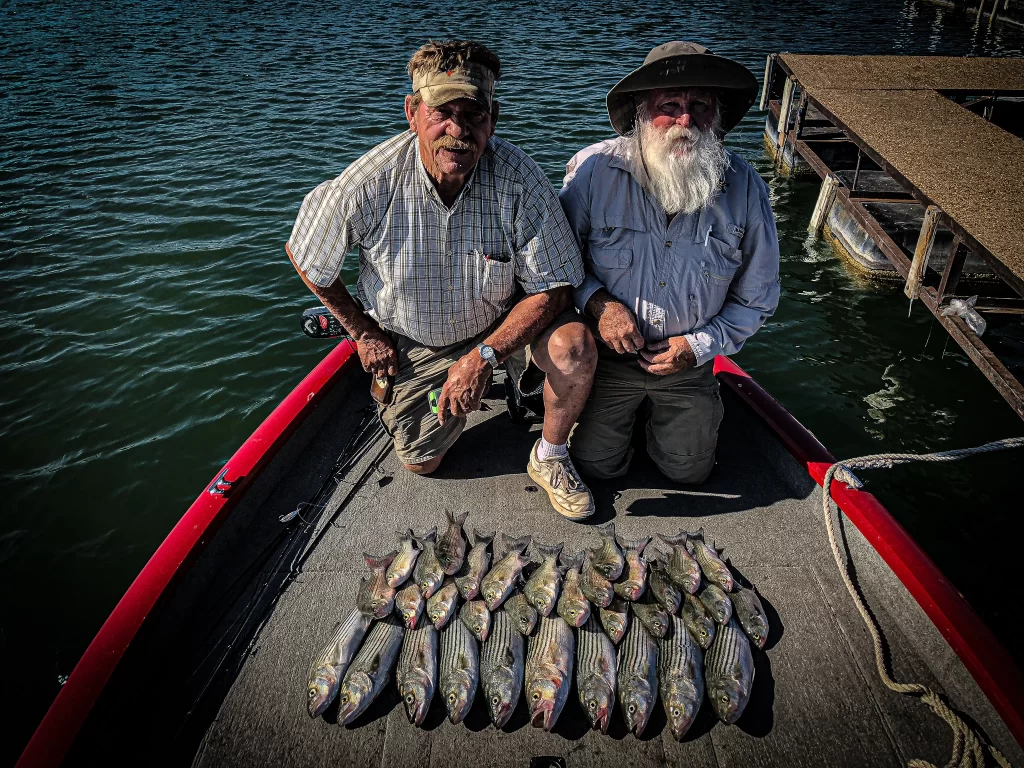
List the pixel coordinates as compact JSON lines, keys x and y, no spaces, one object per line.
{"x":514,"y":630}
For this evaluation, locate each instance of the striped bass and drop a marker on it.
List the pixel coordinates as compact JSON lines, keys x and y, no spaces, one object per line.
{"x":680,"y":677}
{"x":595,"y":673}
{"x":631,"y":586}
{"x":711,"y":564}
{"x":451,"y":547}
{"x":428,"y":573}
{"x":441,"y":605}
{"x":458,"y":669}
{"x":698,"y":621}
{"x":542,"y":587}
{"x":401,"y":567}
{"x":370,"y":670}
{"x":409,"y":604}
{"x":607,"y":558}
{"x":328,"y":668}
{"x":499,"y":581}
{"x":637,"y":677}
{"x":573,"y":605}
{"x":595,"y":587}
{"x":664,"y":591}
{"x":748,"y":609}
{"x":549,"y":662}
{"x":716,"y":601}
{"x":729,"y":672}
{"x":375,"y":596}
{"x":682,"y":568}
{"x":654,"y":619}
{"x":615,"y":619}
{"x":416,"y":674}
{"x":477,"y":618}
{"x":502,"y":666}
{"x":474,"y":567}
{"x":522,"y":613}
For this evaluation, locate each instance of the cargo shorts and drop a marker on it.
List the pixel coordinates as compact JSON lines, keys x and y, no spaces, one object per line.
{"x":682,"y":431}
{"x":417,"y":434}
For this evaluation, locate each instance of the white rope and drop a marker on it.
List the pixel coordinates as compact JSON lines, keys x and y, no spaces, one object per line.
{"x":968,"y":748}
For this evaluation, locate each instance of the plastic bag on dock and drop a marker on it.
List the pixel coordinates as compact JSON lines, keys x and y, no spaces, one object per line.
{"x":964,"y":309}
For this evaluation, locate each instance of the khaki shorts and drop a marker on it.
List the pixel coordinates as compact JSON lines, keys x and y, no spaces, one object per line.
{"x":417,"y":434}
{"x":682,"y":432}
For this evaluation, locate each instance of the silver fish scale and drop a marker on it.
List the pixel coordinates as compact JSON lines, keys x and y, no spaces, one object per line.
{"x":730,"y":650}
{"x":552,"y":629}
{"x":638,"y":655}
{"x":679,"y":653}
{"x":638,"y":659}
{"x":593,"y":648}
{"x":419,"y":646}
{"x":458,"y":646}
{"x":379,"y":653}
{"x":343,"y":643}
{"x":504,"y":640}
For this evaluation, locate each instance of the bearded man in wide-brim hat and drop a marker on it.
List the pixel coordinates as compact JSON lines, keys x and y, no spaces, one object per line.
{"x":681,"y":255}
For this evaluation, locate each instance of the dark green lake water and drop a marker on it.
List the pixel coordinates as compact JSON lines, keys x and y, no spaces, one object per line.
{"x":153,"y":159}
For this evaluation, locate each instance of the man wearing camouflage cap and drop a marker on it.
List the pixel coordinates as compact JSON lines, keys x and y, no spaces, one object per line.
{"x":682,"y":259}
{"x":466,"y":261}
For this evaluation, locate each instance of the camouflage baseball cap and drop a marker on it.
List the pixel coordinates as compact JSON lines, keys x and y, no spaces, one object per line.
{"x":466,"y":81}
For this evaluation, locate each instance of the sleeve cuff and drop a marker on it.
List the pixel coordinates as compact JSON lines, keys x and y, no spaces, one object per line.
{"x":588,"y":288}
{"x":703,"y":345}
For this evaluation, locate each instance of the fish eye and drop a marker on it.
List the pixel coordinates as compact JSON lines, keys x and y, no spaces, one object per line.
{"x":451,"y":697}
{"x":725,"y":698}
{"x":344,"y":699}
{"x":592,"y":704}
{"x":410,"y":698}
{"x":496,"y":700}
{"x":676,"y":712}
{"x":536,"y":696}
{"x":632,"y":708}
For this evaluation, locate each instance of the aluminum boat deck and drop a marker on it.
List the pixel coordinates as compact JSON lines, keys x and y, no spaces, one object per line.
{"x":817,"y":698}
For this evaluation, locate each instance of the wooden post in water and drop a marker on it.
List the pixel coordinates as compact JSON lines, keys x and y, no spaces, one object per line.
{"x":785,"y":107}
{"x":824,"y":204}
{"x":767,"y":86}
{"x":923,"y":251}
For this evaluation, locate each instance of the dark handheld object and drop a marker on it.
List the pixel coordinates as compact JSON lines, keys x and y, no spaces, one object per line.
{"x":319,"y":323}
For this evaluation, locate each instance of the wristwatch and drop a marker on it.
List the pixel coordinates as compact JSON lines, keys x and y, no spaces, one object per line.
{"x":487,"y":353}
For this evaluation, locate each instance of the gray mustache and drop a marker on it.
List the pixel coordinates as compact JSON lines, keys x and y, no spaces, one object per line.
{"x":449,"y":142}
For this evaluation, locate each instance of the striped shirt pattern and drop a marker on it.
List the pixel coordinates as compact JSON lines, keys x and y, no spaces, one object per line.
{"x":438,"y":275}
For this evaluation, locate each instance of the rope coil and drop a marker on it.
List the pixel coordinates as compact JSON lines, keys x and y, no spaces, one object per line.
{"x":968,"y":748}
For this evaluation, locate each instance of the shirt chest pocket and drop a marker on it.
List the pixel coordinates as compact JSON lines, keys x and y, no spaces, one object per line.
{"x":612,"y":241}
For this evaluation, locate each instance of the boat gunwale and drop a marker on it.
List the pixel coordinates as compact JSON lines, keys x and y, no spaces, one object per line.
{"x":970,"y":639}
{"x":57,"y":731}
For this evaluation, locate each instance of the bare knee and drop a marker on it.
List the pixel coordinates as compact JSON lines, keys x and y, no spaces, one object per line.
{"x":426,"y":467}
{"x":572,"y":350}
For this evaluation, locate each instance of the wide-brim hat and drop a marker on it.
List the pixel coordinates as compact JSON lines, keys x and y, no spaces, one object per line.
{"x":684,"y":65}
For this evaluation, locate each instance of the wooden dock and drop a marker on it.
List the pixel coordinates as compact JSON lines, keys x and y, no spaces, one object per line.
{"x":923,"y":167}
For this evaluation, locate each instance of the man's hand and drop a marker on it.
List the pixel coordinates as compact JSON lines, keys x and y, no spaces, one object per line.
{"x":669,"y":356}
{"x":464,"y":390}
{"x":616,"y":324}
{"x":377,"y":353}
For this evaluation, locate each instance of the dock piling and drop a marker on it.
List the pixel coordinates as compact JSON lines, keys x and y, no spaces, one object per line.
{"x":824,"y":204}
{"x":785,"y":107}
{"x":766,"y":87}
{"x":923,"y":251}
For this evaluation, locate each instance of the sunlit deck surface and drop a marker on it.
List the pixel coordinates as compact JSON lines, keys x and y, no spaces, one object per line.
{"x":817,"y":698}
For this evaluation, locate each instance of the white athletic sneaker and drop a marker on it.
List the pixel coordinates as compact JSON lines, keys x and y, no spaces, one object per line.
{"x":569,"y":495}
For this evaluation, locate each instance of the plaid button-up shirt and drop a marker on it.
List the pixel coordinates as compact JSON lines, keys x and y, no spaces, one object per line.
{"x":438,"y":275}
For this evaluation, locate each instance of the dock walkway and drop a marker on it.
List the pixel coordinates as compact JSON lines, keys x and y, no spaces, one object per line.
{"x":924,"y":124}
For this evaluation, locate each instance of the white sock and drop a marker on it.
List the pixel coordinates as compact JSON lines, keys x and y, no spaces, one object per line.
{"x":546,"y":450}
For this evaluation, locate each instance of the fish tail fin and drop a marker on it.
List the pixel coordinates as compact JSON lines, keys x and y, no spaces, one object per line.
{"x":460,"y":520}
{"x":428,"y":537}
{"x":545,"y":551}
{"x":573,"y":561}
{"x":607,"y":530}
{"x":678,"y":540}
{"x":698,"y":534}
{"x":482,"y":538}
{"x":516,"y":545}
{"x":639,"y":544}
{"x":383,"y":561}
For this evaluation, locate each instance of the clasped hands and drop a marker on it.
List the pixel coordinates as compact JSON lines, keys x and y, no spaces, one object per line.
{"x":616,"y":326}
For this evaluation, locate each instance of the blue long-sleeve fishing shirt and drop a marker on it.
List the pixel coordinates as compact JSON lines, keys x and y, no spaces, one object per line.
{"x":711,"y":276}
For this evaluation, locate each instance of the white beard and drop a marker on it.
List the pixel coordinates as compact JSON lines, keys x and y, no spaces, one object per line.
{"x":684,"y":166}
